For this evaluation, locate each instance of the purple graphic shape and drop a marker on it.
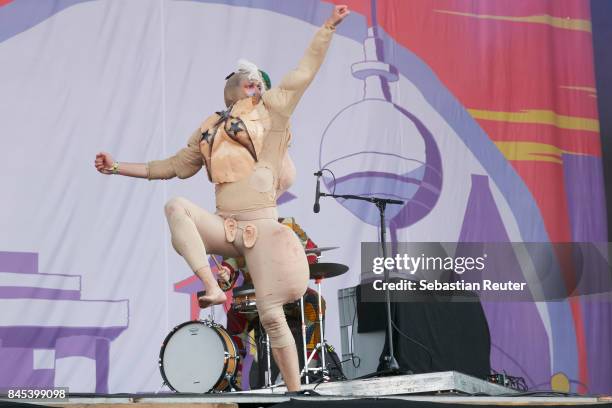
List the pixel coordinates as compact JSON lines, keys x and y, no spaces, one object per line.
{"x":584,"y":201}
{"x":79,"y":346}
{"x":21,"y":262}
{"x":14,"y":357}
{"x":247,"y":363}
{"x":194,"y":286}
{"x":483,"y":223}
{"x":102,"y":365}
{"x":15,"y":292}
{"x":420,"y":188}
{"x":95,"y":348}
{"x":17,"y":343}
{"x":587,"y":205}
{"x":85,"y":342}
{"x":19,"y":356}
{"x":285,"y":198}
{"x":46,"y":337}
{"x":21,"y":15}
{"x":428,"y":193}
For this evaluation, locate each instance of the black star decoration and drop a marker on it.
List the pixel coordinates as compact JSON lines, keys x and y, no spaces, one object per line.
{"x":206,"y":136}
{"x":235,"y":127}
{"x":224,"y":114}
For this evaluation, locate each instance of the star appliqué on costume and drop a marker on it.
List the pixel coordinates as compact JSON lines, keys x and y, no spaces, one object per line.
{"x":235,"y":127}
{"x":206,"y":136}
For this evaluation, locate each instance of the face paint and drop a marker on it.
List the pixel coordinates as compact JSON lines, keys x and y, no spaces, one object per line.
{"x":252,"y":89}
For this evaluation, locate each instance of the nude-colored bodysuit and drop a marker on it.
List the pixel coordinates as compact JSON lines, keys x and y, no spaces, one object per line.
{"x":248,"y":181}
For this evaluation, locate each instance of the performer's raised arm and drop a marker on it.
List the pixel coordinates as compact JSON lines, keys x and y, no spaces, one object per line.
{"x":287,"y":94}
{"x":185,"y":163}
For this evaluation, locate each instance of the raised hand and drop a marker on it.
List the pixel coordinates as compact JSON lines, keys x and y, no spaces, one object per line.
{"x":104,"y":163}
{"x":338,"y":14}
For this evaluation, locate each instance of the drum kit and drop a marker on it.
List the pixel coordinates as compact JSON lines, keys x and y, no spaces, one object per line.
{"x":201,"y":357}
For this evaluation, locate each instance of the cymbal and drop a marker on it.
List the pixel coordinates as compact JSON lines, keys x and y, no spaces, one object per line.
{"x":326,"y":270}
{"x":319,"y":250}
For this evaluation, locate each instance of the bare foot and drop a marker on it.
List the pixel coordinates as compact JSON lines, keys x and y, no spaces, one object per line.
{"x":216,"y":297}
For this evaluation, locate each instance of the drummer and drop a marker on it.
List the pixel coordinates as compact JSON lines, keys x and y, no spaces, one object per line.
{"x":245,"y":328}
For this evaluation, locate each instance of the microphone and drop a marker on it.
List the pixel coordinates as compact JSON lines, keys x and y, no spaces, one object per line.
{"x":316,"y":208}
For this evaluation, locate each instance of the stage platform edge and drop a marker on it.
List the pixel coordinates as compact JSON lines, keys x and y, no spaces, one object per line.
{"x":448,"y":387}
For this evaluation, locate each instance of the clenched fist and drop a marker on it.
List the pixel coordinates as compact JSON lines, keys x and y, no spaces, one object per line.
{"x":338,"y":14}
{"x":104,"y":163}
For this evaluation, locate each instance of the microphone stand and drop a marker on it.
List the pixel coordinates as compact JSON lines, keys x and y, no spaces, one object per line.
{"x":391,"y":365}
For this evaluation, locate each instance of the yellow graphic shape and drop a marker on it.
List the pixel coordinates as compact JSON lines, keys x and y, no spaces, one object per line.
{"x":538,"y":116}
{"x":560,"y":383}
{"x":531,"y":151}
{"x":566,"y":23}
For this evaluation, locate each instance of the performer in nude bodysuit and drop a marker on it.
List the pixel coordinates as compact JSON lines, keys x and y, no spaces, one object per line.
{"x":243,"y":149}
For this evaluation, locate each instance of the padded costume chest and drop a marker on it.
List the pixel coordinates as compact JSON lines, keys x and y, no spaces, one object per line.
{"x":232,"y":140}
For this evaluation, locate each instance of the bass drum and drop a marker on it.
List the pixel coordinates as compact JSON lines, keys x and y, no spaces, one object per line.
{"x":199,"y":357}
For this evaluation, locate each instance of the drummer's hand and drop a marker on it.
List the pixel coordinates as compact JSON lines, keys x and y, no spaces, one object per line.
{"x":224,"y":273}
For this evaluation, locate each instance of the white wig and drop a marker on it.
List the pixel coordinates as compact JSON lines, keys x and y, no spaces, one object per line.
{"x":250,"y":71}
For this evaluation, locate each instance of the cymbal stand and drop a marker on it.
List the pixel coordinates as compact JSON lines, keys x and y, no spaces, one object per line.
{"x":303,"y":335}
{"x":321,"y":345}
{"x":268,"y":371}
{"x":269,"y":365}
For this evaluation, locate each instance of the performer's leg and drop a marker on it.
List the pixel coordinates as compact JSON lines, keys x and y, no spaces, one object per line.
{"x":279,"y":270}
{"x":193,"y":231}
{"x":284,"y":351}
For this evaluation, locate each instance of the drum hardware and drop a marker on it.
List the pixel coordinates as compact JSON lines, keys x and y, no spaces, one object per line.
{"x":245,"y":301}
{"x":268,"y":363}
{"x":304,"y":349}
{"x":318,"y":272}
{"x":211,"y":309}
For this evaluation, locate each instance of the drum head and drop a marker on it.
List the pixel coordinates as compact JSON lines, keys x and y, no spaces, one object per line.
{"x":192,"y":358}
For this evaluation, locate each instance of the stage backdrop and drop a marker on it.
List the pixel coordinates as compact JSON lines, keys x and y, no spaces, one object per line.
{"x":480,"y":114}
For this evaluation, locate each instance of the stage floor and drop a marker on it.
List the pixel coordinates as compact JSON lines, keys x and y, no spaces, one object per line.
{"x":446,"y":388}
{"x":261,"y":400}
